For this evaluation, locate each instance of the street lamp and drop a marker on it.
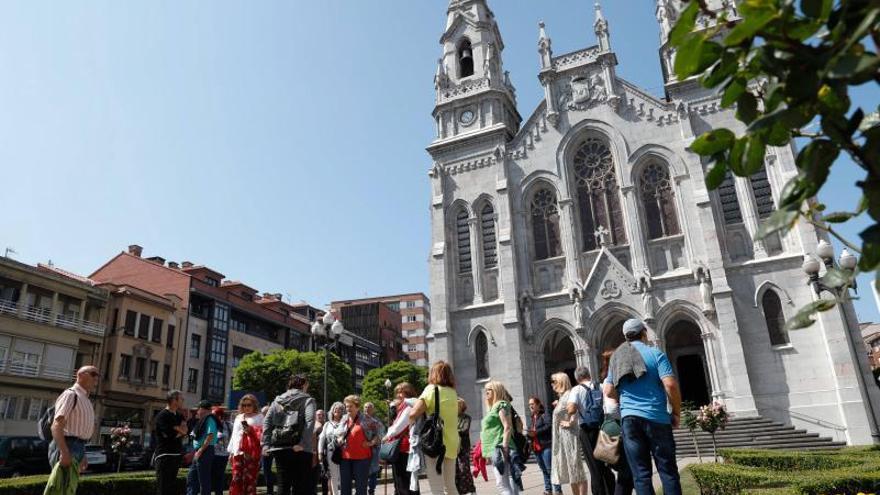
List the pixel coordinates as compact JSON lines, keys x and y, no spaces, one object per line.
{"x":388,"y":385}
{"x":847,"y":263}
{"x":329,"y":328}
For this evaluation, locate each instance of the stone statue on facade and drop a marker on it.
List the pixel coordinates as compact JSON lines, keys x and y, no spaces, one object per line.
{"x":577,"y":309}
{"x":525,"y":315}
{"x":646,"y":286}
{"x":702,"y":275}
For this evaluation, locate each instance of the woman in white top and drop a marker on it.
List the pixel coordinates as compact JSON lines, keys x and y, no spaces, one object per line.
{"x":327,"y":444}
{"x":244,"y":447}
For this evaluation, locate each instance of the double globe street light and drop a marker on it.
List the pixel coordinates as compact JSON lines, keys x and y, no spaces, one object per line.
{"x":330,"y":329}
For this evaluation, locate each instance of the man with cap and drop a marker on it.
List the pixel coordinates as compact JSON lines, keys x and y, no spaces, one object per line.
{"x":641,"y":378}
{"x":198,"y":480}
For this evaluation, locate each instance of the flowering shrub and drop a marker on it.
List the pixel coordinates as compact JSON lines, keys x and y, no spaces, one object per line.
{"x":712,"y":417}
{"x":120,"y":442}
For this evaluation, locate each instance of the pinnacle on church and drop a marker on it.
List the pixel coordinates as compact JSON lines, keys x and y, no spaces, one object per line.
{"x":542,"y":35}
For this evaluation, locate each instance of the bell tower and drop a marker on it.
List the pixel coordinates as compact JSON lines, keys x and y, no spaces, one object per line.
{"x":474,"y":95}
{"x":668,"y":13}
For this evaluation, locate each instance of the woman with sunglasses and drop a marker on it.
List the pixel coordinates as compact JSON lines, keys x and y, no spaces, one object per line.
{"x":244,"y":447}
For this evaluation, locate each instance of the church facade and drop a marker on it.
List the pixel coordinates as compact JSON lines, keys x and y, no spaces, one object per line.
{"x":548,"y":233}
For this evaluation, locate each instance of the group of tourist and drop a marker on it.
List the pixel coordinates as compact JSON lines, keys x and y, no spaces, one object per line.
{"x":428,"y":435}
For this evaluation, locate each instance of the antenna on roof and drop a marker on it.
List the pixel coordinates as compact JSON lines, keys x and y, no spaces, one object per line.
{"x":9,"y":251}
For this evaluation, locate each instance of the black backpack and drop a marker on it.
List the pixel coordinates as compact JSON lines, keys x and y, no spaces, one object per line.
{"x":432,"y":433}
{"x":520,"y":442}
{"x":44,"y":424}
{"x":290,"y":432}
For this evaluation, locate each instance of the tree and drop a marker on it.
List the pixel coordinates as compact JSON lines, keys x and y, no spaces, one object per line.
{"x":270,"y":373}
{"x":789,"y":69}
{"x":398,"y":372}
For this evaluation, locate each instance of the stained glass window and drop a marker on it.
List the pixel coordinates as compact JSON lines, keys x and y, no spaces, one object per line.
{"x":659,"y":201}
{"x":545,"y":225}
{"x":597,"y":193}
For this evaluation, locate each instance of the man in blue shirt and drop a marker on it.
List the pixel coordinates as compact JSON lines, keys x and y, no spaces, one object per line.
{"x":204,"y":437}
{"x":646,"y":390}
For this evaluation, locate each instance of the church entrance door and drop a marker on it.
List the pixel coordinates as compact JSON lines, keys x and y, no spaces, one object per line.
{"x":684,"y":347}
{"x":558,"y":356}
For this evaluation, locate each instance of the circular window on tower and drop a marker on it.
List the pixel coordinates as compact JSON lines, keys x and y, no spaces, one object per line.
{"x":467,"y":116}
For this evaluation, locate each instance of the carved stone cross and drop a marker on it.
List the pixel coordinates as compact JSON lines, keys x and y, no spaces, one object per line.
{"x":603,"y":236}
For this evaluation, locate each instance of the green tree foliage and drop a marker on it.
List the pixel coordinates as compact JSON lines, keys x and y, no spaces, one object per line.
{"x":399,"y":371}
{"x":270,"y":372}
{"x":788,"y":68}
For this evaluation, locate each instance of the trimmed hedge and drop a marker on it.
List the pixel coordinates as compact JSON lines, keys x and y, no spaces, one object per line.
{"x":766,"y":472}
{"x":135,"y":483}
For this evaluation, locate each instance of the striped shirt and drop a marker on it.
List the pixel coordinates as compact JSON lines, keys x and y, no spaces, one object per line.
{"x":79,"y":414}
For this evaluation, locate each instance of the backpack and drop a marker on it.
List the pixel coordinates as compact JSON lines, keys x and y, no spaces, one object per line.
{"x":432,"y":433}
{"x":590,"y":410}
{"x":44,"y":424}
{"x":520,"y":442}
{"x":290,"y":431}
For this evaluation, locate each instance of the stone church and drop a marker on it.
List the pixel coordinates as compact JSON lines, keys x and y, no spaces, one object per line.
{"x":549,"y":232}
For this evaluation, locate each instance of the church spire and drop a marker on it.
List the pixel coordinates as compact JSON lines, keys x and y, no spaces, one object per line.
{"x":545,"y":47}
{"x":600,"y":26}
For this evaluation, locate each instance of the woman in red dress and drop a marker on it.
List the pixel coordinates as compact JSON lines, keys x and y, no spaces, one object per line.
{"x":244,"y":447}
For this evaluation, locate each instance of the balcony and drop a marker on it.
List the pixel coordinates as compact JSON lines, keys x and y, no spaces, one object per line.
{"x":47,"y":317}
{"x":32,"y":370}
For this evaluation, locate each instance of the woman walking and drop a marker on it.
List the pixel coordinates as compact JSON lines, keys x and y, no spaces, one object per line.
{"x":221,"y":454}
{"x":441,"y":384}
{"x":568,"y":466}
{"x":541,"y":436}
{"x":353,"y":437}
{"x":496,"y":433}
{"x":244,"y":447}
{"x":327,"y":444}
{"x":464,"y":481}
{"x":399,"y":432}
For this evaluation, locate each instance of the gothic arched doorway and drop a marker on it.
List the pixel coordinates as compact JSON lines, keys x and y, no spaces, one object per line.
{"x":684,"y":347}
{"x":558,"y":356}
{"x":612,"y":337}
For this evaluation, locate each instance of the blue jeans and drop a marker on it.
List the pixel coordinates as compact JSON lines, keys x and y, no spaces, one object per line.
{"x":267,"y":473}
{"x":643,"y":439}
{"x":545,"y":459}
{"x":198,"y":479}
{"x":356,"y":471}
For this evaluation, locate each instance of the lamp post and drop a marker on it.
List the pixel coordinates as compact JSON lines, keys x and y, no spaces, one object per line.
{"x":388,"y":385}
{"x":847,"y":263}
{"x":329,"y":328}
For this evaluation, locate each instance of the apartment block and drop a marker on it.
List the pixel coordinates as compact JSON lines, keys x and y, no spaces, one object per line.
{"x":51,"y":323}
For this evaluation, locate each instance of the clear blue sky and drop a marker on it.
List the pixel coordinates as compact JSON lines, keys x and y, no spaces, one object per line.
{"x":279,"y":142}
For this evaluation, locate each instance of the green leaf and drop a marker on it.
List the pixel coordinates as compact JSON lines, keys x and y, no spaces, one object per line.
{"x":713,"y":141}
{"x":804,"y":316}
{"x":812,"y":8}
{"x":754,"y":155}
{"x":685,"y":25}
{"x":780,"y":220}
{"x":715,"y":176}
{"x":725,"y":68}
{"x":839,"y":216}
{"x":795,"y":192}
{"x":815,"y":161}
{"x":736,"y":88}
{"x":737,"y":152}
{"x":696,"y":54}
{"x":747,"y":108}
{"x":837,"y":278}
{"x":832,"y":100}
{"x":856,"y":68}
{"x":749,"y":26}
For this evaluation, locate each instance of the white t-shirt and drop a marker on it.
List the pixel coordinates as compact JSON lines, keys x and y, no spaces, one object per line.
{"x":578,"y":396}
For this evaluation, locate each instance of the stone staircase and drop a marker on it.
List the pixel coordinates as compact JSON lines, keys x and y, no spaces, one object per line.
{"x":753,"y":432}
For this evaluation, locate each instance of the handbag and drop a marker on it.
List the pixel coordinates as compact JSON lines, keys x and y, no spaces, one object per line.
{"x":607,"y":445}
{"x":432,"y":434}
{"x":336,"y":456}
{"x":389,"y":451}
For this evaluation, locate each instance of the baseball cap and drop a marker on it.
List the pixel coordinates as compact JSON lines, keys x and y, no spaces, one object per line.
{"x":633,"y":326}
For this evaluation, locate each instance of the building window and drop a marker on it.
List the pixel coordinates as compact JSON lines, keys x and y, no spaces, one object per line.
{"x":195,"y":346}
{"x":213,"y":282}
{"x":763,"y":194}
{"x":8,"y":406}
{"x":487,"y":235}
{"x":114,"y":321}
{"x":659,"y":201}
{"x":597,"y":194}
{"x":124,"y":366}
{"x":169,"y":343}
{"x":192,"y":381}
{"x":774,"y":317}
{"x":144,"y":327}
{"x":463,"y":241}
{"x":411,"y":318}
{"x":25,"y":363}
{"x":153,"y":374}
{"x":730,"y":210}
{"x":545,"y":225}
{"x":32,"y":408}
{"x":130,"y":322}
{"x":410,"y":304}
{"x":465,"y":59}
{"x":481,"y":353}
{"x":140,"y":368}
{"x":157,"y":330}
{"x":166,"y":375}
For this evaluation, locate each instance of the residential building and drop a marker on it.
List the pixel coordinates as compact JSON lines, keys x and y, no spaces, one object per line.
{"x":415,"y":319}
{"x":51,"y":323}
{"x":871,"y":337}
{"x":551,"y":230}
{"x":376,"y":322}
{"x":225,"y":320}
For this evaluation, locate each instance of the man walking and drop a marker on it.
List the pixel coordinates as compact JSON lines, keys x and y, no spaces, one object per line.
{"x":198,"y":480}
{"x":288,"y":437}
{"x":642,"y":378}
{"x":72,"y":426}
{"x":169,"y":433}
{"x":585,"y":400}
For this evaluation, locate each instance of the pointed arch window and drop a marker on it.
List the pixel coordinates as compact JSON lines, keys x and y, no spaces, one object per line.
{"x":597,"y":194}
{"x":463,"y":241}
{"x":730,"y":209}
{"x":487,"y":235}
{"x":481,"y":354}
{"x":763,"y":193}
{"x":465,"y":59}
{"x":545,"y":224}
{"x":774,"y":317}
{"x":659,"y":201}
